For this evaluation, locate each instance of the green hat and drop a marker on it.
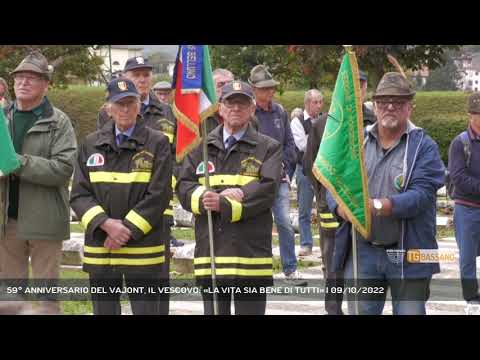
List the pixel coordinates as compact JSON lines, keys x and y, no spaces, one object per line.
{"x":37,"y":63}
{"x":260,"y":77}
{"x":394,"y":84}
{"x":474,"y":103}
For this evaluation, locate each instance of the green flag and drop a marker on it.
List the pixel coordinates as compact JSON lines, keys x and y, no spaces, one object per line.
{"x":8,"y":157}
{"x":339,"y":165}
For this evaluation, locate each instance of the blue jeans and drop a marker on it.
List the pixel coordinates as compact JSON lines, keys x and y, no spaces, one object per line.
{"x":305,"y":203}
{"x":286,"y":234}
{"x":467,"y":234}
{"x":377,"y":272}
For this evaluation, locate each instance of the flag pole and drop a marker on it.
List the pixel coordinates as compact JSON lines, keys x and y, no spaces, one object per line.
{"x":355,"y":270}
{"x":210,"y":221}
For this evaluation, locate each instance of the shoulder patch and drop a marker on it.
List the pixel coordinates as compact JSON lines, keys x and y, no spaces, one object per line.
{"x":96,"y":159}
{"x":201,"y":168}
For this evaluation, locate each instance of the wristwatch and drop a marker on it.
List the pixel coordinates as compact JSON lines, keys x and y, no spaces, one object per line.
{"x":378,"y":206}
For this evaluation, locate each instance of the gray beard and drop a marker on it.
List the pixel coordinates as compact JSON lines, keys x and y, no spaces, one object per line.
{"x":390,"y":124}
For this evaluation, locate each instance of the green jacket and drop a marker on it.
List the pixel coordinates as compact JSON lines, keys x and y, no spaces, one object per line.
{"x":47,"y":157}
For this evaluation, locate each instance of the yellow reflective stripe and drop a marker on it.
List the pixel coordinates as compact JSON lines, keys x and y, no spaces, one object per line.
{"x":240,"y":272}
{"x":174,"y":182}
{"x":125,"y":250}
{"x":139,"y":222}
{"x":171,"y":203}
{"x":230,"y":180}
{"x":234,"y":260}
{"x":195,"y":199}
{"x":331,"y":225}
{"x":170,"y":137}
{"x":236,"y":209}
{"x":120,"y":178}
{"x":90,"y":215}
{"x":122,"y":261}
{"x":326,"y":216}
{"x":168,"y":212}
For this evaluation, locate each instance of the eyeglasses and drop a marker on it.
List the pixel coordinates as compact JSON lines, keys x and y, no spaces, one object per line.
{"x":31,"y":79}
{"x":242,"y":104}
{"x":396,"y":104}
{"x":221,"y":84}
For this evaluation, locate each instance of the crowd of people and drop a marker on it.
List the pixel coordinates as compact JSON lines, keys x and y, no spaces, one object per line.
{"x":125,"y":175}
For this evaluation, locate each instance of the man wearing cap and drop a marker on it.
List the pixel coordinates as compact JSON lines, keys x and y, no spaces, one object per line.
{"x":273,"y":121}
{"x":405,"y":171}
{"x":155,"y":114}
{"x":463,"y":160}
{"x":163,"y":90}
{"x":122,"y":182}
{"x":38,"y":210}
{"x":328,"y":224}
{"x":245,"y":169}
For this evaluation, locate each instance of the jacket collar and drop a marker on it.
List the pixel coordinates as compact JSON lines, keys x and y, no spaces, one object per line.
{"x":154,"y":105}
{"x":250,"y":137}
{"x":45,"y":116}
{"x":106,"y":136}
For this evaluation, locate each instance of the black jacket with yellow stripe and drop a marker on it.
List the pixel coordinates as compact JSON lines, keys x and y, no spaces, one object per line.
{"x":157,"y":116}
{"x":131,"y":182}
{"x":242,"y":231}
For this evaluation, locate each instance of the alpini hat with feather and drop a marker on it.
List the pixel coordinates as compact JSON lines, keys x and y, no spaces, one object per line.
{"x":394,"y":84}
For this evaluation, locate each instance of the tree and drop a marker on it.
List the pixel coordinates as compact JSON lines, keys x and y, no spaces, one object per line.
{"x":240,"y":59}
{"x":70,"y":61}
{"x":444,"y":78}
{"x":312,"y":65}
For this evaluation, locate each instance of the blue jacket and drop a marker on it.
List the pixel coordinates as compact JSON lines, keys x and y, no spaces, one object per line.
{"x":275,"y":123}
{"x":415,"y":205}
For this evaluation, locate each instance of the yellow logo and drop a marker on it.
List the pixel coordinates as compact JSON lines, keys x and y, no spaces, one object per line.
{"x":122,"y":85}
{"x":250,"y":167}
{"x":143,"y":161}
{"x":427,"y":256}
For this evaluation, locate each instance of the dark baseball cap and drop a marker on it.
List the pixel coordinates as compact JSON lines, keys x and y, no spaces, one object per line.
{"x":138,"y":62}
{"x":121,"y":88}
{"x":235,"y":88}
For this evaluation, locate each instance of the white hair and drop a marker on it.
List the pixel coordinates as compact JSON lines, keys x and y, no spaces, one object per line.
{"x":311,"y":94}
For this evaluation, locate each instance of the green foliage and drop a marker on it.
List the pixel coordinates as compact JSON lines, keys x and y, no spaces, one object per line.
{"x":71,"y":62}
{"x":444,"y":78}
{"x":80,"y":103}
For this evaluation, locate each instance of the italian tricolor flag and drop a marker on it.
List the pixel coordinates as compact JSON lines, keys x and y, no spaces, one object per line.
{"x":195,"y":97}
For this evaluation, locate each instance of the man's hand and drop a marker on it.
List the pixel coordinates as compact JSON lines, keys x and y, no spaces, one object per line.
{"x":117,"y":231}
{"x":211,"y":201}
{"x":234,"y":194}
{"x":110,"y":244}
